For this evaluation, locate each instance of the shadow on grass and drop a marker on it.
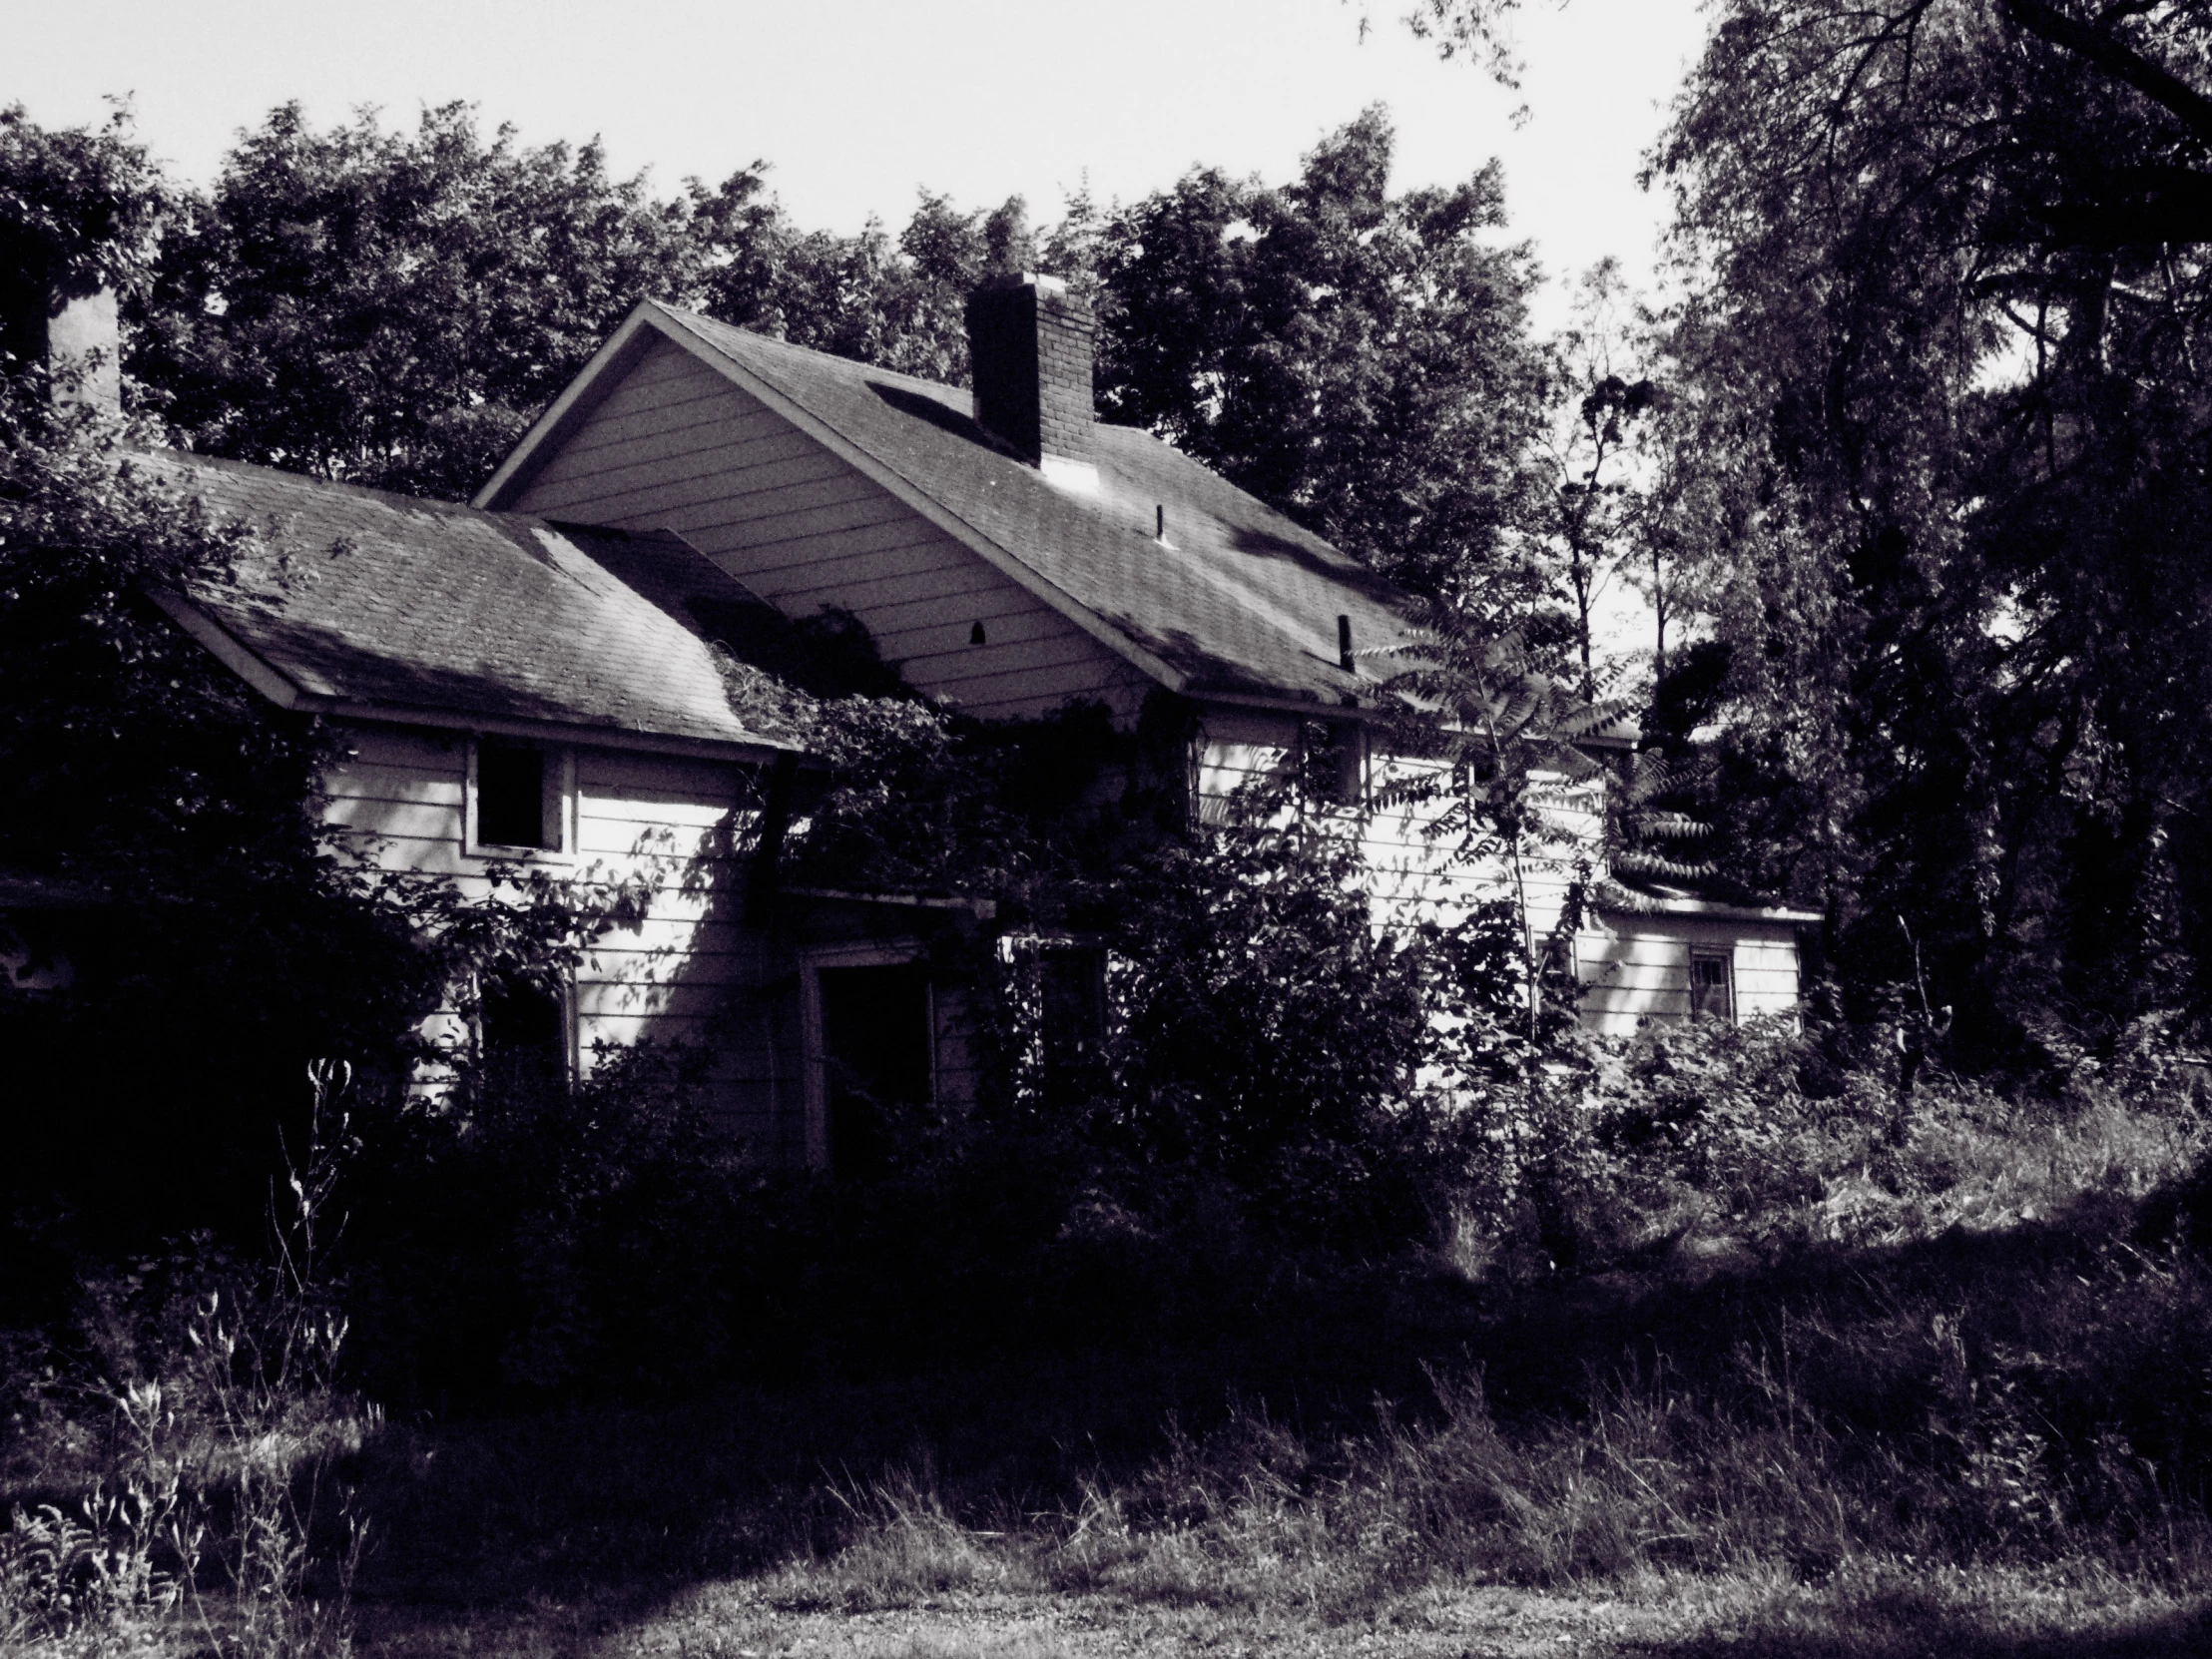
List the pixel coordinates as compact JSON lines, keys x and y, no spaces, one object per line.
{"x":637,"y":1504}
{"x":1903,"y":1625}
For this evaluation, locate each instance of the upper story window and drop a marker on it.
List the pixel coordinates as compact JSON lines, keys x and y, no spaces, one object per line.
{"x":518,"y":798}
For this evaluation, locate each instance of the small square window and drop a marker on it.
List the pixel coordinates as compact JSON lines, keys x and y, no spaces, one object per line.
{"x":1712,"y":986}
{"x":518,"y":797}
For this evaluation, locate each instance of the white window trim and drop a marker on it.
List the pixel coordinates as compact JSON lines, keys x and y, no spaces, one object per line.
{"x":560,"y":778}
{"x":814,"y":1059}
{"x":1539,"y":947}
{"x":1726,"y":955}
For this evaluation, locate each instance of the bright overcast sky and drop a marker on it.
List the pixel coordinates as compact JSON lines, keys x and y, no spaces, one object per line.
{"x":859,"y":104}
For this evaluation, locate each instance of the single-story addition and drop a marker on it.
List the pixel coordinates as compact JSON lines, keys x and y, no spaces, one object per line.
{"x":1010,"y":554}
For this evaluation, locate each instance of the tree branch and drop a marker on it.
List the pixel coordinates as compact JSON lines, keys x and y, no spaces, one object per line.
{"x":2118,"y":59}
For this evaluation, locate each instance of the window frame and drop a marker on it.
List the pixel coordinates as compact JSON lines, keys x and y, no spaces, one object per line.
{"x":558,"y":806}
{"x":1553,"y":951}
{"x":1349,"y":754}
{"x":1725,"y":956}
{"x":1025,"y":957}
{"x":569,"y":1025}
{"x":814,"y":1058}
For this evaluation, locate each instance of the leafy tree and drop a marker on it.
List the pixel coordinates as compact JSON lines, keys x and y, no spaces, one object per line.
{"x":1942,"y":346}
{"x":1593,"y":509}
{"x":897,"y":303}
{"x":80,"y":209}
{"x":216,"y":945}
{"x":1947,"y":273}
{"x":167,"y":834}
{"x":393,"y":308}
{"x":1354,"y":357}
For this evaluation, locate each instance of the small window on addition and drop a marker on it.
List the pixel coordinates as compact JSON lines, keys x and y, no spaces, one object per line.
{"x":518,"y":797}
{"x":1712,"y":987}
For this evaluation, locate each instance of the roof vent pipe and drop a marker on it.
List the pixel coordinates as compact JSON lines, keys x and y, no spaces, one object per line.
{"x":1345,"y":658}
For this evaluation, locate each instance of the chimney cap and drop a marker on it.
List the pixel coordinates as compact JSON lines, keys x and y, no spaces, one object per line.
{"x":1053,"y":288}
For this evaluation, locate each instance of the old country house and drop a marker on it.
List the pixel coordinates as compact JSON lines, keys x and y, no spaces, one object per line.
{"x":1010,"y":553}
{"x":535,"y":680}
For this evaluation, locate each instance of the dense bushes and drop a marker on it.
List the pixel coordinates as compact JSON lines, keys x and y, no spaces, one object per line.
{"x":176,"y":1468}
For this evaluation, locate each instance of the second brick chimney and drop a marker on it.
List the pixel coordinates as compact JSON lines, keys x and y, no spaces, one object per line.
{"x":1030,"y":343}
{"x":79,"y":340}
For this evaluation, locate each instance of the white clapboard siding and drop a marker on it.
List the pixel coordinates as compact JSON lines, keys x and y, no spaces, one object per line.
{"x":673,"y":445}
{"x":679,"y":975}
{"x":1638,"y":969}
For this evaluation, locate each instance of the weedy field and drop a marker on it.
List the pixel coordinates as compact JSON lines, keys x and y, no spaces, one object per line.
{"x":1826,"y":1381}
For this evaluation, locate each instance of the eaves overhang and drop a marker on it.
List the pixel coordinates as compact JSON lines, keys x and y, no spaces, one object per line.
{"x":286,"y":692}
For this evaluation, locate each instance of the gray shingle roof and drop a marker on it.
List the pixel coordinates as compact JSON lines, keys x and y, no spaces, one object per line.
{"x":364,"y":599}
{"x":1241,"y":600}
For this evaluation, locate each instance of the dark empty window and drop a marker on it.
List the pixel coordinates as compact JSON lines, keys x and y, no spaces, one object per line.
{"x":523,"y":1032}
{"x":1332,"y":763}
{"x":878,"y":1057}
{"x":1712,"y":995}
{"x":510,"y":797}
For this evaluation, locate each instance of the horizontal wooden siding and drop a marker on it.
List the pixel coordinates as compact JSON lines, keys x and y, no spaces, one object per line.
{"x":676,"y":445}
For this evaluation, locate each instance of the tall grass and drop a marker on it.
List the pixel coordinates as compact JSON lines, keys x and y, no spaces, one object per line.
{"x":189,"y":1455}
{"x":1794,"y":1359}
{"x":1958,"y":1349}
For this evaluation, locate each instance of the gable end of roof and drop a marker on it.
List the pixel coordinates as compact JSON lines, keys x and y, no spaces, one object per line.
{"x":653,"y":320}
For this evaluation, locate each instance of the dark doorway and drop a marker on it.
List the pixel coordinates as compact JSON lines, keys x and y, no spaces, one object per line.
{"x":1072,"y":983}
{"x":878,"y":1060}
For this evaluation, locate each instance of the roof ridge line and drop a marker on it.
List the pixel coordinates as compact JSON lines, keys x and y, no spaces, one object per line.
{"x":922,"y":501}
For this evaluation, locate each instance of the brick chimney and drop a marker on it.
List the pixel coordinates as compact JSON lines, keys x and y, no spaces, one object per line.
{"x":1030,"y":341}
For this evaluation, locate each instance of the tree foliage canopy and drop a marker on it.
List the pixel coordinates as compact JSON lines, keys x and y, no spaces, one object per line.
{"x":394,"y":307}
{"x":1358,"y":358}
{"x":1946,"y":310}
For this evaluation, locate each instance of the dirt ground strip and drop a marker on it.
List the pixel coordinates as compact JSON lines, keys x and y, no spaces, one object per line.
{"x":1687,"y":1619}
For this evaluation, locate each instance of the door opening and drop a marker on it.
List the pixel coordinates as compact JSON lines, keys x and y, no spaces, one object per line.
{"x":878,"y":1061}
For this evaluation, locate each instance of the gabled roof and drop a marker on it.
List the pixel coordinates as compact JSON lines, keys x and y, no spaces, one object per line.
{"x":379,"y":606}
{"x":1238,"y":602}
